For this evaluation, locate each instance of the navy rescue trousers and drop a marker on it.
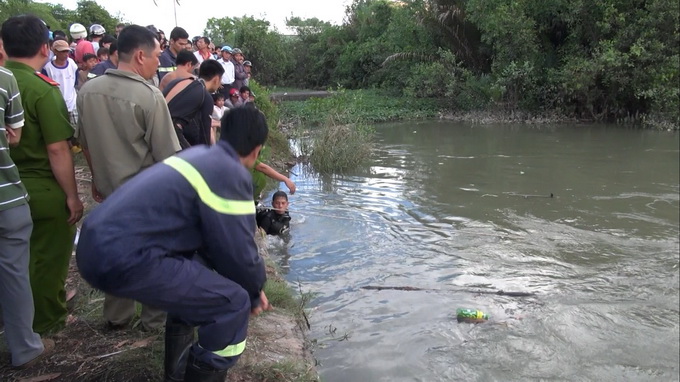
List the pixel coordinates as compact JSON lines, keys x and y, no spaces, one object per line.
{"x":188,"y":291}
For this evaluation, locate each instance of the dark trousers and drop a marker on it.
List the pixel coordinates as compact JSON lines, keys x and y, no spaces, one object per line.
{"x":189,"y":291}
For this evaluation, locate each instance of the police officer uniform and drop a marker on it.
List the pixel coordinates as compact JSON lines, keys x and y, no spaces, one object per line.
{"x":46,"y":122}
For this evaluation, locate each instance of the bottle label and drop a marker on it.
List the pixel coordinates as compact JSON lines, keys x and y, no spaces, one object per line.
{"x":472,"y":314}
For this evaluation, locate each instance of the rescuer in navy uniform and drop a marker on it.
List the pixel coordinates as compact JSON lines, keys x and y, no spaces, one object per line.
{"x":180,"y":237}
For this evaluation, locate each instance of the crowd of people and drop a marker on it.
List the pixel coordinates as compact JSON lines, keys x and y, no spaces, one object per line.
{"x":175,"y":230}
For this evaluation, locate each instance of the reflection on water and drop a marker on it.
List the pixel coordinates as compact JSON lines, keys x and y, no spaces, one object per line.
{"x":456,"y":208}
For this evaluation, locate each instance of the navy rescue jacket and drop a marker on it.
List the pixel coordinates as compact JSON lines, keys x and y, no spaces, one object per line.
{"x":197,"y":202}
{"x":166,"y":63}
{"x":101,"y":68}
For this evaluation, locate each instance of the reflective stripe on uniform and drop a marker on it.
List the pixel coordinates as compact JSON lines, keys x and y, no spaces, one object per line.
{"x":231,"y":350}
{"x":166,"y":69}
{"x":212,"y":200}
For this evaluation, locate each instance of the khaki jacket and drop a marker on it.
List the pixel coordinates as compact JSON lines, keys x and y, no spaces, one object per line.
{"x":125,"y":125}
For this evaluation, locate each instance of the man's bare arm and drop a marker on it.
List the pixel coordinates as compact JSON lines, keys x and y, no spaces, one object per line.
{"x":270,"y":172}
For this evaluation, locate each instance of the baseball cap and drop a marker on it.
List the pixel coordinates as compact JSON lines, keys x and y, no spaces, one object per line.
{"x":247,"y":63}
{"x":236,"y":51}
{"x":60,"y":46}
{"x":233,"y":91}
{"x":226,"y":48}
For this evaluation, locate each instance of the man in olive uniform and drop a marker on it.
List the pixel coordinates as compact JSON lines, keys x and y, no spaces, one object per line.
{"x":46,"y":168}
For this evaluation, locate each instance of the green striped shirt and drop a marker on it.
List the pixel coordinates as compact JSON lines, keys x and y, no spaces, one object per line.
{"x":12,"y":191}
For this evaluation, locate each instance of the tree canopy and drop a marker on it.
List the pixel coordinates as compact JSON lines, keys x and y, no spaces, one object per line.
{"x":87,"y":12}
{"x":602,"y":60}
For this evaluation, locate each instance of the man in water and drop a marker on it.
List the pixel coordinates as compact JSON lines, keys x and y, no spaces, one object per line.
{"x":275,"y":220}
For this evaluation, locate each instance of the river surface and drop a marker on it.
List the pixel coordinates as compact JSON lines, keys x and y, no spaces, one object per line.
{"x":455,"y":209}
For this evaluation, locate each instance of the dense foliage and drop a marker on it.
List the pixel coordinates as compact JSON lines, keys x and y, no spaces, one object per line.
{"x":87,"y":12}
{"x":601,"y":60}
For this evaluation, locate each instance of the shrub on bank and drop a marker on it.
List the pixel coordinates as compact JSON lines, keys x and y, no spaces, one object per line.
{"x":340,"y":138}
{"x":338,"y":148}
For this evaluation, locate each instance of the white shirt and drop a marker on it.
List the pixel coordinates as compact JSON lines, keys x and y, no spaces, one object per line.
{"x":218,"y":112}
{"x":200,"y":58}
{"x":66,"y":78}
{"x":228,"y":76}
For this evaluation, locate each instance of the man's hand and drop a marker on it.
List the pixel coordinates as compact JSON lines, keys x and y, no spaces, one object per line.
{"x":290,"y":185}
{"x":75,"y":206}
{"x":98,"y":197}
{"x":264,"y":305}
{"x":12,"y":136}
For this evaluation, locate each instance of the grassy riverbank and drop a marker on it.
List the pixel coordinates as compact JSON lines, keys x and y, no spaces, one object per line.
{"x":356,"y":106}
{"x":86,"y":350}
{"x":377,"y":106}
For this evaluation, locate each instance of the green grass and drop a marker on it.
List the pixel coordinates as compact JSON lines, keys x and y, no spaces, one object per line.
{"x":339,"y":148}
{"x":288,"y":89}
{"x":280,"y":295}
{"x":357,"y":106}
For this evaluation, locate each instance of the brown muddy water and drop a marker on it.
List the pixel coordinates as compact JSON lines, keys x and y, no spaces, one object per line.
{"x":459,"y":208}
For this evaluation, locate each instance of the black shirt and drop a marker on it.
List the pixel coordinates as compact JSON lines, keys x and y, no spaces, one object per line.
{"x":191,"y":108}
{"x":271,"y":222}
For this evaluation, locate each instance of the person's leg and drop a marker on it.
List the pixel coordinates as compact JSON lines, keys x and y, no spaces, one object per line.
{"x":152,"y":318}
{"x":198,"y":296}
{"x":118,"y":311}
{"x":15,"y":288}
{"x":179,"y":336}
{"x":51,"y":247}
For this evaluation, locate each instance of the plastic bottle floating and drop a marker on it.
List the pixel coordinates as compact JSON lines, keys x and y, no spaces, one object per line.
{"x":471,"y":316}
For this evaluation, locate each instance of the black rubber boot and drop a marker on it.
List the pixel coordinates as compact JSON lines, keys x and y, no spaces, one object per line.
{"x":198,"y":371}
{"x":178,"y":340}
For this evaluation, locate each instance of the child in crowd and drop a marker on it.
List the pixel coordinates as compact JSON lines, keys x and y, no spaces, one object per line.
{"x":89,"y":62}
{"x":245,"y":94}
{"x":234,"y":99}
{"x":216,"y":117}
{"x":103,"y":54}
{"x":219,"y":108}
{"x":275,"y":220}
